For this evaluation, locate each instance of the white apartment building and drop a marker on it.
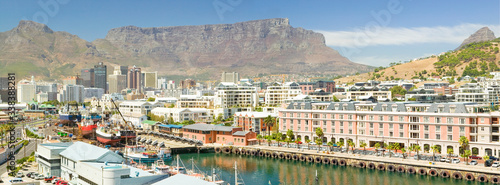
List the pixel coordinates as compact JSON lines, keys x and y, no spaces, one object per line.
{"x":381,"y":94}
{"x":195,"y":101}
{"x":26,"y":91}
{"x":277,"y":93}
{"x":184,"y":114}
{"x":232,"y":95}
{"x":48,"y":158}
{"x":137,"y":108}
{"x":472,"y":92}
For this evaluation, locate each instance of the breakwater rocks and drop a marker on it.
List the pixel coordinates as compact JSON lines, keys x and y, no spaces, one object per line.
{"x":396,"y":166}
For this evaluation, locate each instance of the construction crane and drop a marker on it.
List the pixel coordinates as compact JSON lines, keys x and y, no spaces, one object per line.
{"x":127,"y":124}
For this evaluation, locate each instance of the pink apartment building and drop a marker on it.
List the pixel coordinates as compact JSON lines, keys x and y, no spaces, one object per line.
{"x":253,"y":121}
{"x":405,"y":123}
{"x":209,"y":134}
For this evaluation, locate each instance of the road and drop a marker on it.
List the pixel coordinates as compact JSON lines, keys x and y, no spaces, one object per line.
{"x":25,"y":151}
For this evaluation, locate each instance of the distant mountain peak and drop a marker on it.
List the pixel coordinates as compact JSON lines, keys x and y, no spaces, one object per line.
{"x":31,"y":26}
{"x":481,"y":35}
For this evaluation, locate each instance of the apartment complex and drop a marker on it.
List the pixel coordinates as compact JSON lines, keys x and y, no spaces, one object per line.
{"x":232,"y":95}
{"x":408,"y":124}
{"x":380,"y":94}
{"x":184,"y":114}
{"x":472,"y":92}
{"x":252,"y":121}
{"x":225,"y":135}
{"x":308,"y":87}
{"x":277,"y":93}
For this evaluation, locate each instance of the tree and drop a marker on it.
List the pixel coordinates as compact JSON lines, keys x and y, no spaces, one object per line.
{"x":464,"y":143}
{"x":403,"y":150}
{"x":297,"y":141}
{"x":389,"y":147}
{"x":351,"y":144}
{"x":278,"y":139}
{"x":269,"y":139}
{"x":335,"y":99}
{"x":289,"y":133}
{"x":398,"y":90}
{"x":340,"y":144}
{"x":259,"y":137}
{"x":363,"y":144}
{"x":396,"y":147}
{"x":466,"y":155}
{"x":269,"y":121}
{"x":330,"y":144}
{"x":171,"y":120}
{"x":450,"y":152}
{"x":416,"y":148}
{"x":434,"y":148}
{"x":377,"y":146}
{"x":410,"y":149}
{"x":319,"y":133}
{"x":288,"y":140}
{"x":150,"y":99}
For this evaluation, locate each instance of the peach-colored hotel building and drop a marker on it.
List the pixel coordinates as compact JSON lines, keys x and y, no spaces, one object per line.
{"x":405,"y":123}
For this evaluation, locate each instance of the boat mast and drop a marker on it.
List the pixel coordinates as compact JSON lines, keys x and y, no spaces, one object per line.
{"x":192,"y":165}
{"x":213,"y":174}
{"x":235,"y":174}
{"x":177,"y":163}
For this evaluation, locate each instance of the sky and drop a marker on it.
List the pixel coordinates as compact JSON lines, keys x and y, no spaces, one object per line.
{"x":365,"y":31}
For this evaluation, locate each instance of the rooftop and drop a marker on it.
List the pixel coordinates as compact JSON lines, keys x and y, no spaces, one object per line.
{"x":209,"y":127}
{"x":184,"y":180}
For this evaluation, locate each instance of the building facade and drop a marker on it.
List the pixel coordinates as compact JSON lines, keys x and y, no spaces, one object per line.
{"x":101,"y":76}
{"x":230,"y":77}
{"x":88,"y":78}
{"x":277,"y":93}
{"x":134,"y":78}
{"x":253,"y":121}
{"x":150,"y":79}
{"x":209,"y":134}
{"x":440,"y":124}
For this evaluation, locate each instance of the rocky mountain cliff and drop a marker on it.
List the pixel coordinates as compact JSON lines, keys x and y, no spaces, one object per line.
{"x":261,"y":46}
{"x":483,"y":34}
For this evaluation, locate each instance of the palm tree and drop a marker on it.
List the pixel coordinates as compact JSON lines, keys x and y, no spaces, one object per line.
{"x":289,"y":133}
{"x":351,"y":144}
{"x":386,"y":146}
{"x":269,"y":121}
{"x":434,"y":149}
{"x":259,"y":137}
{"x":416,"y":148}
{"x":403,"y":150}
{"x":269,"y":139}
{"x":288,"y":140}
{"x":466,"y":155}
{"x":396,"y":147}
{"x":319,"y":133}
{"x":363,"y":144}
{"x":340,"y":144}
{"x":389,"y":147}
{"x":330,"y":144}
{"x":377,"y":146}
{"x":450,"y":152}
{"x":278,"y":139}
{"x":464,"y":143}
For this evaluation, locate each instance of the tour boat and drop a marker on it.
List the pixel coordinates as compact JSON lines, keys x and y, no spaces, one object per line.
{"x":139,"y":153}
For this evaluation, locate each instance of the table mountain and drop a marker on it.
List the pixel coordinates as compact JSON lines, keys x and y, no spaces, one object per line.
{"x":261,"y":46}
{"x":483,"y":34}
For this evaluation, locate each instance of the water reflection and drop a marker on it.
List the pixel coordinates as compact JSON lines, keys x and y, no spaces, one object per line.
{"x":260,"y":170}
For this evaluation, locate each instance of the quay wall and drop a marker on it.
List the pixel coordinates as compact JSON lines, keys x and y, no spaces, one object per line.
{"x":390,"y":164}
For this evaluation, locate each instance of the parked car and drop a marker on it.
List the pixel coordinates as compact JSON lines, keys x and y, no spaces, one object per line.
{"x":16,"y":180}
{"x":312,"y":143}
{"x":488,"y":162}
{"x":455,"y":161}
{"x":494,"y":158}
{"x":35,"y":174}
{"x":495,"y":164}
{"x":49,"y":179}
{"x":29,"y":174}
{"x":20,"y":174}
{"x":39,"y":177}
{"x":473,"y":162}
{"x":475,"y":157}
{"x":58,"y":181}
{"x":442,"y":159}
{"x":448,"y":160}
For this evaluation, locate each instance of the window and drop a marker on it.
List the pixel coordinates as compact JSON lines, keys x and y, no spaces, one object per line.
{"x":449,"y":120}
{"x":381,"y":125}
{"x":350,"y":131}
{"x":426,"y":136}
{"x":342,"y":130}
{"x":414,"y":127}
{"x":414,"y":135}
{"x":391,"y":118}
{"x":450,"y":137}
{"x":341,"y":123}
{"x":401,"y":118}
{"x":341,"y":116}
{"x":426,"y":119}
{"x":284,"y":114}
{"x":401,"y":127}
{"x":307,"y":122}
{"x":324,"y":129}
{"x":390,"y":126}
{"x":438,"y":128}
{"x":391,"y":134}
{"x":332,"y":116}
{"x":361,"y":132}
{"x":438,"y":136}
{"x":361,"y":124}
{"x":438,"y":120}
{"x":371,"y":117}
{"x":414,"y":119}
{"x":462,"y":120}
{"x":324,"y":123}
{"x":426,"y":127}
{"x":482,"y":120}
{"x":350,"y":124}
{"x":333,"y":130}
{"x":381,"y":118}
{"x":462,"y":129}
{"x":371,"y":125}
{"x":371,"y":132}
{"x":482,"y":128}
{"x":450,"y":129}
{"x":350,"y":116}
{"x":401,"y":134}
{"x":381,"y":133}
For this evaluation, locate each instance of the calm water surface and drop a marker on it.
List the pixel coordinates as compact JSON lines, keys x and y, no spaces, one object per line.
{"x":260,"y":170}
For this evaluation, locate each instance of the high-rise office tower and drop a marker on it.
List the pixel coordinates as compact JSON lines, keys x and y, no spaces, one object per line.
{"x":100,"y":76}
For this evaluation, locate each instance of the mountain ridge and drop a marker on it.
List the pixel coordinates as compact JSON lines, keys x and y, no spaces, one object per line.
{"x":270,"y":46}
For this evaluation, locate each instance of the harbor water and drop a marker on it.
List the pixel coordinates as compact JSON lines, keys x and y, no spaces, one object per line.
{"x":260,"y":171}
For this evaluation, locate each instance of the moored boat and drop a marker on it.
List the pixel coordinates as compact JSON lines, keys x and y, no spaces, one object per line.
{"x":141,"y":154}
{"x":107,"y":136}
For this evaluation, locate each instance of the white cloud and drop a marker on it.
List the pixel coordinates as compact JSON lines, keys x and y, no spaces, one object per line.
{"x":374,"y":36}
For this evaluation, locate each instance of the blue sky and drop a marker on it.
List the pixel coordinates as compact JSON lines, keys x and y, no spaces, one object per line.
{"x":370,"y":32}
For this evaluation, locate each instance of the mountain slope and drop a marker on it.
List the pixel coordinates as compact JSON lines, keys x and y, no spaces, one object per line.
{"x":253,"y":47}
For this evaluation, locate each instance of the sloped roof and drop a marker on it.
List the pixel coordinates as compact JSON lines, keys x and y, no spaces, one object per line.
{"x":171,"y":126}
{"x":80,"y":151}
{"x":240,"y":133}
